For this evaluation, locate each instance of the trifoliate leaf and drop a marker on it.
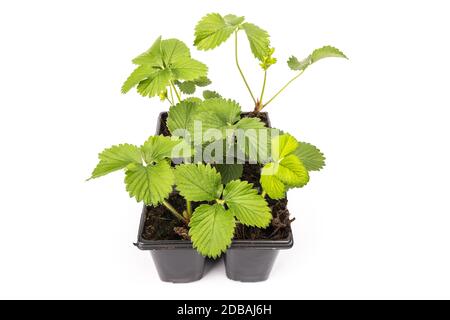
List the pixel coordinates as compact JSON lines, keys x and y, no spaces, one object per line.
{"x":208,"y":94}
{"x":246,"y":204}
{"x":180,"y":118}
{"x":187,"y":87}
{"x":213,"y":29}
{"x":230,"y":172}
{"x":259,"y":40}
{"x":282,"y":146}
{"x":311,"y":157}
{"x":218,"y":113}
{"x":211,"y":229}
{"x":158,"y":148}
{"x":318,"y":54}
{"x":151,"y":184}
{"x":166,"y":61}
{"x":291,"y":172}
{"x":198,"y":182}
{"x":116,"y":158}
{"x":155,"y":83}
{"x":271,"y":184}
{"x":202,"y":82}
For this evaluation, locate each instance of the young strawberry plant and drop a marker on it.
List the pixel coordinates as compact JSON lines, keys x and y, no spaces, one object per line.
{"x":214,"y":29}
{"x":148,"y":174}
{"x":212,"y":225}
{"x":218,"y":170}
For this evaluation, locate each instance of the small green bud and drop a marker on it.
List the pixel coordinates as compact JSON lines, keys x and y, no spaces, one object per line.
{"x":268,"y":60}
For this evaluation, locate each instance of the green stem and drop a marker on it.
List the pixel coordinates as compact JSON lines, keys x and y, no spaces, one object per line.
{"x":171,"y":96}
{"x":264,"y":194}
{"x":176,"y":91}
{"x":173,"y":211}
{"x":282,"y":89}
{"x":263,"y":87}
{"x":189,"y":208}
{"x":239,"y":67}
{"x":170,"y":101}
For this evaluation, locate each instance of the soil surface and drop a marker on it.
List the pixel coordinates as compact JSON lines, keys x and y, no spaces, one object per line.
{"x":161,"y":225}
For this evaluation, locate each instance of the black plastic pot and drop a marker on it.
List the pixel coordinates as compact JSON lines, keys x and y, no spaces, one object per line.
{"x":176,"y":260}
{"x":252,"y":261}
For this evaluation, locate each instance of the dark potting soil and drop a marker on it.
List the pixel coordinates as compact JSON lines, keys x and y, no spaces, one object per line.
{"x":161,"y":225}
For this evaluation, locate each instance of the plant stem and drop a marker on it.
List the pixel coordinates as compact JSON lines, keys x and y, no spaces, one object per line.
{"x":282,"y":89}
{"x":263,"y":194}
{"x":239,"y":67}
{"x":173,"y":211}
{"x":170,"y":100}
{"x":189,"y":208}
{"x":171,"y":95}
{"x":176,"y":91}
{"x":263,"y":87}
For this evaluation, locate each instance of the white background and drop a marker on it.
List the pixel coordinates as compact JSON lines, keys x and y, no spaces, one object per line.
{"x":374,"y":224}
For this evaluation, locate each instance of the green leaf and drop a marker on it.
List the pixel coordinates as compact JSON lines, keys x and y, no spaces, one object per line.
{"x":316,"y":55}
{"x":211,"y":229}
{"x":139,"y":74}
{"x":233,"y":20}
{"x":158,"y":148}
{"x":246,"y":204}
{"x":259,"y":40}
{"x":250,"y":123}
{"x":297,"y":65}
{"x":311,"y":157}
{"x":155,"y":83}
{"x":218,"y":113}
{"x":291,"y":172}
{"x":326,"y":52}
{"x":283,"y":145}
{"x":151,"y":184}
{"x":252,"y":139}
{"x":193,"y":100}
{"x":187,"y":87}
{"x":198,"y":182}
{"x":213,"y":29}
{"x":174,"y":50}
{"x":116,"y":158}
{"x":188,"y":69}
{"x":202,"y":82}
{"x":181,"y":117}
{"x":208,"y":94}
{"x":271,"y":184}
{"x":166,"y":61}
{"x":152,"y":56}
{"x":230,"y":172}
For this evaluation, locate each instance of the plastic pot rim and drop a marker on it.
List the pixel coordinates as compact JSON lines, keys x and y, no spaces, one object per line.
{"x":144,"y":244}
